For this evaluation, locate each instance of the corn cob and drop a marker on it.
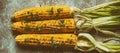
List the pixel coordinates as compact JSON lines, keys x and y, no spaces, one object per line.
{"x":44,"y":13}
{"x":47,"y":26}
{"x":47,"y":40}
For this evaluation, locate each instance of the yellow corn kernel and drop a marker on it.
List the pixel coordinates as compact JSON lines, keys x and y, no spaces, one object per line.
{"x":43,"y":13}
{"x":49,"y":40}
{"x":46,"y":26}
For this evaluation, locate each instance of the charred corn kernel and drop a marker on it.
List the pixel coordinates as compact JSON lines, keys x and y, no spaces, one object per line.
{"x":46,"y":26}
{"x":44,"y":13}
{"x":54,"y":40}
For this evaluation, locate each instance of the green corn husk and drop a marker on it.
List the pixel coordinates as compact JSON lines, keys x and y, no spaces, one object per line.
{"x":103,"y":10}
{"x":88,"y":43}
{"x":114,"y":48}
{"x":104,"y":18}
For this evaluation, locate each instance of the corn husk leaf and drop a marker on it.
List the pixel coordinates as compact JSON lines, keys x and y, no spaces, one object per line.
{"x":102,"y":10}
{"x":103,"y":18}
{"x":93,"y":44}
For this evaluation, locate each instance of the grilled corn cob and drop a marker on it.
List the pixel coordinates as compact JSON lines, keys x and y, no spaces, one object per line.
{"x":48,"y":40}
{"x":47,"y":26}
{"x":44,"y":13}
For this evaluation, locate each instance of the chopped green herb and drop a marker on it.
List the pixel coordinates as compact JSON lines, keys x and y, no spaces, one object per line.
{"x":27,"y":40}
{"x":38,"y":28}
{"x":70,"y":40}
{"x":30,"y":13}
{"x":61,"y":43}
{"x":23,"y":21}
{"x":57,"y":15}
{"x":51,"y":39}
{"x":35,"y":17}
{"x":50,"y":11}
{"x":59,"y":10}
{"x":62,"y":22}
{"x":53,"y":43}
{"x":27,"y":27}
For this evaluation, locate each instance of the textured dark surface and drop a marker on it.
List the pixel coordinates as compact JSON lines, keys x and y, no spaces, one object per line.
{"x":2,"y":5}
{"x":7,"y":8}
